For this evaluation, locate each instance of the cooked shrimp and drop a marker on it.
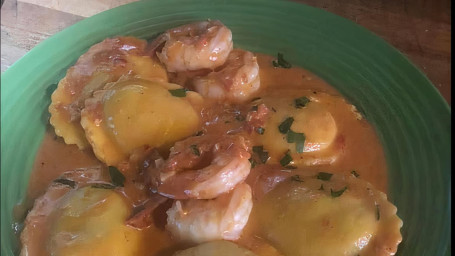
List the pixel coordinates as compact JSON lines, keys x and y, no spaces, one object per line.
{"x":256,"y":118}
{"x":236,"y":81}
{"x":204,"y":167}
{"x":204,"y":220}
{"x":200,"y":45}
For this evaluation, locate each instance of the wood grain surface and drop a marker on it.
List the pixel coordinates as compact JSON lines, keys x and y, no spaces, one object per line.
{"x":420,"y":29}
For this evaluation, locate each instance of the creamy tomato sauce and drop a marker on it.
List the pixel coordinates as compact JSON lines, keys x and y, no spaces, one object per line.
{"x":361,"y":151}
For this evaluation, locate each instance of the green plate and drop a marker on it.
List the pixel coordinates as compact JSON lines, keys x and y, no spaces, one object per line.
{"x":410,"y":117}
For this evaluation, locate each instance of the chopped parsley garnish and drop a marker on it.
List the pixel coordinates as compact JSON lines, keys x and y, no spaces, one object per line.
{"x":254,"y":108}
{"x":296,"y":178}
{"x":337,"y":193}
{"x":321,"y":187}
{"x":299,"y":147}
{"x":298,"y":139}
{"x":285,"y":126}
{"x":103,"y":186}
{"x":70,"y":183}
{"x":353,"y":172}
{"x":378,"y":213}
{"x":239,"y":118}
{"x":286,"y":159}
{"x":280,"y":62}
{"x":252,"y":162}
{"x":324,"y":176}
{"x":117,"y":177}
{"x":178,"y":92}
{"x":292,"y":136}
{"x":260,"y":130}
{"x":263,"y":155}
{"x":301,"y":102}
{"x":258,"y":149}
{"x":195,"y":150}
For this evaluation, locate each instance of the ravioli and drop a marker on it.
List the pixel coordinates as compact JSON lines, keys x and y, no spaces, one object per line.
{"x":219,"y":248}
{"x":38,"y":220}
{"x":135,"y":112}
{"x":325,"y":214}
{"x":306,"y":113}
{"x":91,"y":222}
{"x":104,"y":62}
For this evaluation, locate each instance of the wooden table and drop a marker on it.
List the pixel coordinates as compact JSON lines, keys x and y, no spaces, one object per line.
{"x":420,"y":29}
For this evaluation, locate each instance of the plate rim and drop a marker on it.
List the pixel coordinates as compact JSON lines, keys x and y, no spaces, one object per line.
{"x":35,"y":52}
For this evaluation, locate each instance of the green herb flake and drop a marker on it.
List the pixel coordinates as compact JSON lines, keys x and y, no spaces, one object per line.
{"x":258,"y":149}
{"x":321,"y":187}
{"x":252,"y":162}
{"x":195,"y":150}
{"x":337,"y":193}
{"x":280,"y":62}
{"x":178,"y":92}
{"x":298,"y":139}
{"x":117,"y":177}
{"x":260,"y":130}
{"x":296,"y":178}
{"x":292,"y":136}
{"x":70,"y":183}
{"x":254,"y":108}
{"x":263,"y":155}
{"x":103,"y":186}
{"x":301,"y":102}
{"x":286,"y":159}
{"x":285,"y":126}
{"x":324,"y":176}
{"x":275,"y":63}
{"x":239,"y":118}
{"x":300,"y":146}
{"x":353,"y":172}
{"x":378,"y":213}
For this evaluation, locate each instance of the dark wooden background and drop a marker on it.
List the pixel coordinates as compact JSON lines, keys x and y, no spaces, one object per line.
{"x":421,"y":29}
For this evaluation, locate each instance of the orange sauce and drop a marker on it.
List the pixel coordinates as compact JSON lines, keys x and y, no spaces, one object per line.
{"x":362,"y":152}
